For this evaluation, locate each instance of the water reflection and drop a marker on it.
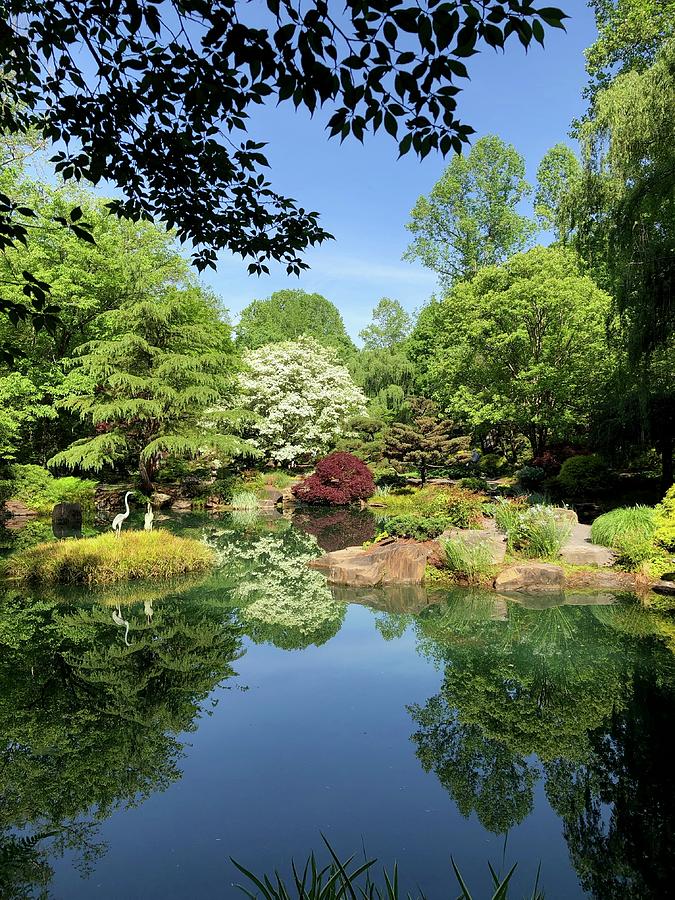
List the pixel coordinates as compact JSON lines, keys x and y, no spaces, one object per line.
{"x":575,"y":695}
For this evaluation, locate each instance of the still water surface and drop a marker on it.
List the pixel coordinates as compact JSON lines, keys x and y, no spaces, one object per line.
{"x":244,"y":714}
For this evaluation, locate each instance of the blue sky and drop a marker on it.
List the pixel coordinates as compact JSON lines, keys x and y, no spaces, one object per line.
{"x":364,"y":194}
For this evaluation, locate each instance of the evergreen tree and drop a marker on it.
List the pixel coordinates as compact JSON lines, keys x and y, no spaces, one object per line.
{"x":424,"y":443}
{"x":147,"y":384}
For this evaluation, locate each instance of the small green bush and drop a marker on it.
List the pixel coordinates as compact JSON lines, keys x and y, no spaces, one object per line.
{"x":535,"y":531}
{"x":479,"y":485}
{"x":530,"y":477}
{"x":583,"y":476}
{"x":41,"y":491}
{"x":244,"y":500}
{"x":109,"y":558}
{"x":664,"y":521}
{"x":633,"y":523}
{"x":492,"y":464}
{"x":473,"y":561}
{"x":420,"y":528}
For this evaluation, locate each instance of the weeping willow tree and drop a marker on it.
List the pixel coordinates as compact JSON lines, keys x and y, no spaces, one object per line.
{"x":148,"y":387}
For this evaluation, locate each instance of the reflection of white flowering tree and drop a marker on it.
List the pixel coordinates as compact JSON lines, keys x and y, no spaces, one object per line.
{"x":282,"y":601}
{"x":302,"y":398}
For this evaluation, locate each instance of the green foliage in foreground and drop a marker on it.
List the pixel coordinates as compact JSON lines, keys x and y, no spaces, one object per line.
{"x":630,"y":531}
{"x":336,"y":880}
{"x":109,"y":558}
{"x":40,"y":490}
{"x":461,"y":508}
{"x":472,"y":561}
{"x":535,"y":531}
{"x":421,"y":528}
{"x":581,"y":476}
{"x":665,"y":521}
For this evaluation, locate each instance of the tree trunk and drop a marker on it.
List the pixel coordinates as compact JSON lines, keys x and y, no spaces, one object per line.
{"x":146,"y":469}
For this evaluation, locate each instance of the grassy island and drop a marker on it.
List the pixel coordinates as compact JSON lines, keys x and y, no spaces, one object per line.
{"x":107,"y":559}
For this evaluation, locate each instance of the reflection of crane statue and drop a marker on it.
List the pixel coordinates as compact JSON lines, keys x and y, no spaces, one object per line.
{"x":118,"y":521}
{"x":149,"y":516}
{"x":118,"y":620}
{"x":148,"y":610}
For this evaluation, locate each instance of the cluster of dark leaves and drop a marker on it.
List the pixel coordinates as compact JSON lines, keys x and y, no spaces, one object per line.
{"x":339,"y":479}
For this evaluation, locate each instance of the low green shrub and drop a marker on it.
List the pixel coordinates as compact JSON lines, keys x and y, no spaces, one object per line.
{"x":41,"y":491}
{"x":583,"y":476}
{"x":664,"y":521}
{"x":535,"y":531}
{"x":109,"y":558}
{"x":628,"y":530}
{"x":460,"y":507}
{"x":420,"y":528}
{"x":479,"y":485}
{"x":530,"y":477}
{"x":473,"y":561}
{"x":493,"y":465}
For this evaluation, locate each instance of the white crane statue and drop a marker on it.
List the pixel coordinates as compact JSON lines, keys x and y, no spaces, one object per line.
{"x":118,"y":521}
{"x":149,"y":517}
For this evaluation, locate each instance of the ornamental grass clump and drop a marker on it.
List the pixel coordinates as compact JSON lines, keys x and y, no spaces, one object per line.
{"x":538,"y":532}
{"x":628,"y":530}
{"x":107,"y":559}
{"x":339,"y":479}
{"x":244,"y":500}
{"x":471,"y":561}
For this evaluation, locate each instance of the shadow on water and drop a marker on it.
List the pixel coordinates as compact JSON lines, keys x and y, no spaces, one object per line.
{"x":574,"y":694}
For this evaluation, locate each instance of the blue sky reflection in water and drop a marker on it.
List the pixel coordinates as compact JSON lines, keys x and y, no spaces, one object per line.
{"x":419,"y":734}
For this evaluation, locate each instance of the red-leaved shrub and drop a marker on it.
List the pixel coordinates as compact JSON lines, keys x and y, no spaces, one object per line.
{"x":338,"y":479}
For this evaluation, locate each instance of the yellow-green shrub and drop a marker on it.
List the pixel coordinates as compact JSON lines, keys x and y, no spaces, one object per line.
{"x":665,"y":521}
{"x":107,"y":559}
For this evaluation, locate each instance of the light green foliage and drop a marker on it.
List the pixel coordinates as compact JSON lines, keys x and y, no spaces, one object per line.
{"x":291,"y":314}
{"x":147,"y":387}
{"x":665,"y":521}
{"x":456,"y":506}
{"x":386,"y":378}
{"x":630,"y":33}
{"x":245,"y":500}
{"x":521,"y":347}
{"x":557,"y":176}
{"x":40,"y":490}
{"x":537,"y":531}
{"x":109,"y":558}
{"x":629,"y":531}
{"x":20,"y":407}
{"x":583,"y":476}
{"x":472,"y":561}
{"x":420,"y":527}
{"x":301,"y":398}
{"x":470,"y":220}
{"x":390,"y":327}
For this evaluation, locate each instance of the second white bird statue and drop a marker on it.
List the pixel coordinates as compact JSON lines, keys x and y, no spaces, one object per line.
{"x":149,"y":517}
{"x":118,"y":521}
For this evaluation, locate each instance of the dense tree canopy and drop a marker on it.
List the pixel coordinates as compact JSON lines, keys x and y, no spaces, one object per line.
{"x":522,"y":344}
{"x":470,"y":218}
{"x":289,"y":314}
{"x":391,"y":325}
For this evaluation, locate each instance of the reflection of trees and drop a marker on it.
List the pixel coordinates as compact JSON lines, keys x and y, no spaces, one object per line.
{"x":281,"y":600}
{"x":535,"y":683}
{"x":89,"y":724}
{"x":335,"y":529}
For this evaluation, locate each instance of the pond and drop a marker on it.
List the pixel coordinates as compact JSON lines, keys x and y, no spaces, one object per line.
{"x":152,"y":732}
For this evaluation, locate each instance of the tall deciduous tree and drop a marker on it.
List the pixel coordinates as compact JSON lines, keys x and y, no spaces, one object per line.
{"x":288,"y":315}
{"x":423,"y":443}
{"x":147,"y":387}
{"x":522,"y":345}
{"x":470,"y":219}
{"x":391,"y":325}
{"x":301,"y":398}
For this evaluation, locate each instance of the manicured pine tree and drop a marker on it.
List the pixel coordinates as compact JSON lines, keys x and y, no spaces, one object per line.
{"x":148,"y":386}
{"x":425,"y":442}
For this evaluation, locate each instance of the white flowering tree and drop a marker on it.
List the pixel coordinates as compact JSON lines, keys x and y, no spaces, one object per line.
{"x":302,"y":399}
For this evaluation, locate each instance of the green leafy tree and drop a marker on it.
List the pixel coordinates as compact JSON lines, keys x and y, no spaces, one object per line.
{"x":391,"y":326}
{"x":557,"y":176}
{"x":522,"y":346}
{"x":386,"y":377}
{"x":470,"y":219}
{"x":148,"y":385}
{"x":426,"y":442}
{"x":288,"y":315}
{"x":152,"y":96}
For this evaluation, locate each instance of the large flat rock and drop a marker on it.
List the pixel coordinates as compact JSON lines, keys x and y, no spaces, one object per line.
{"x":381,"y":564}
{"x":579,"y":551}
{"x":531,"y":577}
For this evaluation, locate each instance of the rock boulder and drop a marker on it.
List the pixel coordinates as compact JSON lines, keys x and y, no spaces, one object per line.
{"x":395,"y":563}
{"x":531,"y":577}
{"x":16,"y":508}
